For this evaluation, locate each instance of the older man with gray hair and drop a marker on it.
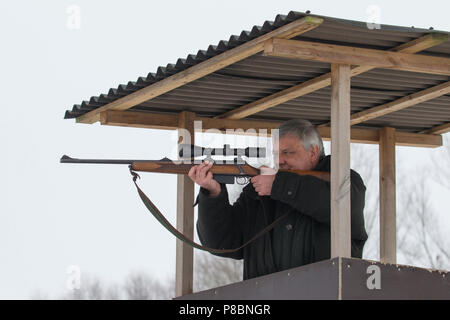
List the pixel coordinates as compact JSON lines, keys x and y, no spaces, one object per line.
{"x":302,"y":237}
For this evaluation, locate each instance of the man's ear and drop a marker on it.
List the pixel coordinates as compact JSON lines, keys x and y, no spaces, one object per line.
{"x":314,"y":154}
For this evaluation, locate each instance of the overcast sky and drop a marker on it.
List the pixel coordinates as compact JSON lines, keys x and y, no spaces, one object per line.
{"x":53,"y":216}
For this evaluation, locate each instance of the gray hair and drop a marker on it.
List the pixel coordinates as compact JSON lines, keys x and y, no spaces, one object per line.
{"x":305,"y":131}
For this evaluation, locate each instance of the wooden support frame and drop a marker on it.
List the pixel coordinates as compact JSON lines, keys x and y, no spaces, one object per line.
{"x":152,"y":120}
{"x":388,"y":233}
{"x":419,"y":44}
{"x":340,"y":161}
{"x":306,"y":50}
{"x":185,"y":214}
{"x":204,"y":68}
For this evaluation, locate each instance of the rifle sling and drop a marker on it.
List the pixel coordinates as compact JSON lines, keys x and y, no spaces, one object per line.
{"x":166,"y":224}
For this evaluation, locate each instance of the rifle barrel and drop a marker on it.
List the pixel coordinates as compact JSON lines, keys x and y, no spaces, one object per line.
{"x":67,"y":159}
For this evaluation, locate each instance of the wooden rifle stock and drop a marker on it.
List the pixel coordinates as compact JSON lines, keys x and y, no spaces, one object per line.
{"x":243,"y":170}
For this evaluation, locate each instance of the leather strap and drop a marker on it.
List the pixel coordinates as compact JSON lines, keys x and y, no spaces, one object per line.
{"x":166,"y":224}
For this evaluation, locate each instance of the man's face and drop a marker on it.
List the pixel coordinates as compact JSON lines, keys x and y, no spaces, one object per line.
{"x":292,"y":155}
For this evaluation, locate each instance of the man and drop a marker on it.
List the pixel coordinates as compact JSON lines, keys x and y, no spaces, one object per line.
{"x":303,"y":237}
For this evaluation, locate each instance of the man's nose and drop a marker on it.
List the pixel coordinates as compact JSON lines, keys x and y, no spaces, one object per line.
{"x":281,"y":159}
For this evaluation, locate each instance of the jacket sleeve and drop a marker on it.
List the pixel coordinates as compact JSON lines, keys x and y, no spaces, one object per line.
{"x":311,"y":196}
{"x":219,"y":224}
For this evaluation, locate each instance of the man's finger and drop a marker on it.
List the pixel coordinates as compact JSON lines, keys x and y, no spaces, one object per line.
{"x":205,"y":169}
{"x":192,"y":172}
{"x":267,"y":171}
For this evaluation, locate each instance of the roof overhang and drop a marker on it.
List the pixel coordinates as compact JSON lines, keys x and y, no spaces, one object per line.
{"x":280,"y":71}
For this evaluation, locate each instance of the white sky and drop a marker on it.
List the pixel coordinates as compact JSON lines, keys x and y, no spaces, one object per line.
{"x":53,"y":216}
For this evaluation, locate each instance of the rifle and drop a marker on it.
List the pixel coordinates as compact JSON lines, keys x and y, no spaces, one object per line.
{"x":235,"y":169}
{"x":224,"y":171}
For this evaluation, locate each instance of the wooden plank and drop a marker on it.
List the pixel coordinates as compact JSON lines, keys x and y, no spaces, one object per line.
{"x":423,"y":43}
{"x":406,"y":139}
{"x":388,"y":233}
{"x":356,"y":135}
{"x":278,"y":97}
{"x":340,"y":161}
{"x":443,"y":128}
{"x":204,"y":68}
{"x":185,"y":214}
{"x":135,"y":119}
{"x":330,"y":53}
{"x":401,"y":103}
{"x":410,"y":139}
{"x":248,"y":126}
{"x":324,"y":80}
{"x":170,"y":122}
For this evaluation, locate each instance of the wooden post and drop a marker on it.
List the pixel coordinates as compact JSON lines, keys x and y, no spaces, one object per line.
{"x":340,"y":161}
{"x":185,"y":213}
{"x":388,"y":241}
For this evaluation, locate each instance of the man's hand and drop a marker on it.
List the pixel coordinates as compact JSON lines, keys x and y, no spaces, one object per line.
{"x":263,"y":182}
{"x":201,"y":175}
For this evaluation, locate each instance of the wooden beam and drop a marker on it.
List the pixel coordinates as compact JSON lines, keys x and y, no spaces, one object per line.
{"x":422,"y":43}
{"x":443,"y":128}
{"x":388,"y":233}
{"x":170,"y":122}
{"x":149,"y":120}
{"x":356,"y":135}
{"x":278,"y":97}
{"x":324,"y":80}
{"x":402,"y":103}
{"x":204,"y":68}
{"x":409,"y":139}
{"x":185,"y":215}
{"x":406,"y":139}
{"x":331,"y":53}
{"x":246,"y":125}
{"x":340,"y":161}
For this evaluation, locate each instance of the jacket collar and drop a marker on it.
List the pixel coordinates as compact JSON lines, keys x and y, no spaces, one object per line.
{"x":324,"y":164}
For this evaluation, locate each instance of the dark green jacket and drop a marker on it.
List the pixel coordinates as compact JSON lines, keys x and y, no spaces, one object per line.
{"x":301,"y":238}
